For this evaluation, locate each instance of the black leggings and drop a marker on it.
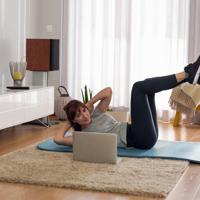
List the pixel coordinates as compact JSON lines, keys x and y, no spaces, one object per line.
{"x":143,"y":131}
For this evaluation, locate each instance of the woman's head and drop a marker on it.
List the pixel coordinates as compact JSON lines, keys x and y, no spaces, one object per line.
{"x":77,"y":114}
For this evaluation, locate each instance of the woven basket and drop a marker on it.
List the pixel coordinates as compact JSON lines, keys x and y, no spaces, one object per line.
{"x":63,"y":100}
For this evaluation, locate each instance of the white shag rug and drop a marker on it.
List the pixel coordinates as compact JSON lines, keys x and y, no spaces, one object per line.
{"x":134,"y":176}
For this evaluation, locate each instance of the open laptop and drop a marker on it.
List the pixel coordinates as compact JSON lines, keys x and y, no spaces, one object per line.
{"x":95,"y":147}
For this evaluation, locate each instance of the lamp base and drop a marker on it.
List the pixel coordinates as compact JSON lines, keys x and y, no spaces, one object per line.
{"x":17,"y":83}
{"x":18,"y":87}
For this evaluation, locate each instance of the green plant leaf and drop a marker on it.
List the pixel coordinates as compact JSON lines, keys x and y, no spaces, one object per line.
{"x":86,"y":94}
{"x":82,"y":96}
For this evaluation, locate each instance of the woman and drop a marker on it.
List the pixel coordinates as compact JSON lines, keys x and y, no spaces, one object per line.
{"x":142,"y":133}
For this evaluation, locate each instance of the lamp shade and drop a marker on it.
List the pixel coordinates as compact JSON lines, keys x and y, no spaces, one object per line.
{"x":42,"y":54}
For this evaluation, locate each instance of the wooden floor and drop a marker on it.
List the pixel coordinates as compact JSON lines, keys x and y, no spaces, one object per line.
{"x":11,"y":139}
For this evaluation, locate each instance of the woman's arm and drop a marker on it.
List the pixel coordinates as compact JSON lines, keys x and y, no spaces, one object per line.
{"x":60,"y":138}
{"x":104,"y":96}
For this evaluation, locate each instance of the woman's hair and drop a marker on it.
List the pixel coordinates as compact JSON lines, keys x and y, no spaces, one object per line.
{"x":71,"y":109}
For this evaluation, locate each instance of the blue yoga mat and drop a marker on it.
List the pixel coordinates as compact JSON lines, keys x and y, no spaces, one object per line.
{"x":163,"y":149}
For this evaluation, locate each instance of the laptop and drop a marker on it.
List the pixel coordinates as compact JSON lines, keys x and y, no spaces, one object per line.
{"x":95,"y":147}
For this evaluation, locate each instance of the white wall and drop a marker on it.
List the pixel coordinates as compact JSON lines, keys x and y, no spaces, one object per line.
{"x":42,"y":16}
{"x":12,"y":34}
{"x":21,"y":19}
{"x":44,"y":20}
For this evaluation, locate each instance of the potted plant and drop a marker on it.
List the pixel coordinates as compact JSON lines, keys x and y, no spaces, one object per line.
{"x":86,"y":94}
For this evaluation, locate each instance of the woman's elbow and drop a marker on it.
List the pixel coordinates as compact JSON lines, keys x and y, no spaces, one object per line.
{"x":57,"y":140}
{"x":109,"y":91}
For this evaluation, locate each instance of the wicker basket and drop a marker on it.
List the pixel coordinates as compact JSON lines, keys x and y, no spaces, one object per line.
{"x":63,"y":99}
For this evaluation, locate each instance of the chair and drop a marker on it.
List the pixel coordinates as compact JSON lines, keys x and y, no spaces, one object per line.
{"x":177,"y":117}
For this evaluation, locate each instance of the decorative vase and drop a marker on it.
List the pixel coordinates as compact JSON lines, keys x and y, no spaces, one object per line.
{"x":17,"y":71}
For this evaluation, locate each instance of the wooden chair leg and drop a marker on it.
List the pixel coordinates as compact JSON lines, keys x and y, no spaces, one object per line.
{"x":198,"y":108}
{"x":177,"y":119}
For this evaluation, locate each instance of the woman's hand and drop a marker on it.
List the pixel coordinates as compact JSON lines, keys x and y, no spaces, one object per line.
{"x":90,"y":106}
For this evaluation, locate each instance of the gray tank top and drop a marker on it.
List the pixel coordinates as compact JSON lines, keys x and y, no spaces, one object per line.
{"x":105,"y":123}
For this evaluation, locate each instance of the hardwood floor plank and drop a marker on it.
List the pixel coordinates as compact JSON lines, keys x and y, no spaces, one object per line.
{"x":32,"y":192}
{"x":197,"y":196}
{"x":188,"y":185}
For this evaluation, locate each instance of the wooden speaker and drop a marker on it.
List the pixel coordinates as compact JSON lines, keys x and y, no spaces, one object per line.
{"x":42,"y":54}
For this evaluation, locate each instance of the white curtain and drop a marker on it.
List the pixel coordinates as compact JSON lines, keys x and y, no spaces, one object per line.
{"x":117,"y":42}
{"x":194,"y":30}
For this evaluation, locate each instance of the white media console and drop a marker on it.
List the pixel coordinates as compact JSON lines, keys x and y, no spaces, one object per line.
{"x":20,"y":106}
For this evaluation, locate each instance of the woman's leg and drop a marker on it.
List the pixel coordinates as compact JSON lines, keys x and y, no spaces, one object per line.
{"x":143,"y":132}
{"x":180,"y":77}
{"x":151,"y":99}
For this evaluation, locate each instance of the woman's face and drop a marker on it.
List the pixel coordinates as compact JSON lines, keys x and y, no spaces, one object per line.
{"x":82,"y":116}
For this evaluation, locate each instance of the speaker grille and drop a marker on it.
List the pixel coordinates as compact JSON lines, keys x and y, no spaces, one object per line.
{"x":42,"y":54}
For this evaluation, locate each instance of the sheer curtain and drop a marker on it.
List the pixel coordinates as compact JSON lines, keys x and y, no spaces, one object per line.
{"x":194,"y":27}
{"x":117,"y":42}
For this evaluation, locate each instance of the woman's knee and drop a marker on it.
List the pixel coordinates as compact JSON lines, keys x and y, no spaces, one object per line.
{"x":138,"y":86}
